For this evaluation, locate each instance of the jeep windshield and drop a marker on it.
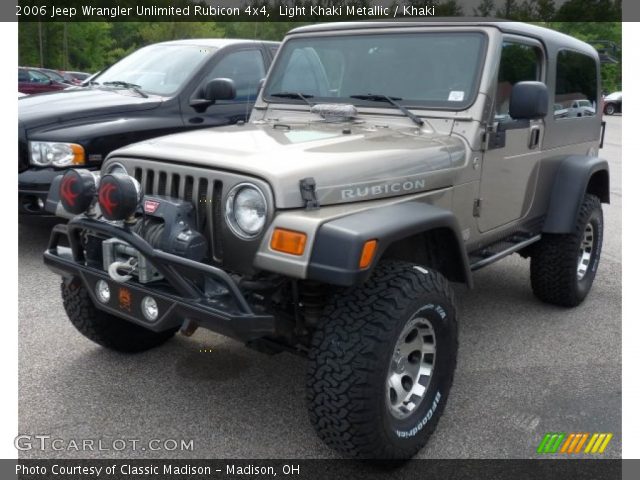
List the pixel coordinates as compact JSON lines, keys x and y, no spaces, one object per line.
{"x":439,"y":70}
{"x":157,"y":69}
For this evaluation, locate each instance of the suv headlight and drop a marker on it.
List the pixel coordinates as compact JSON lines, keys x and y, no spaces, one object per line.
{"x":246,"y":210}
{"x":57,"y":154}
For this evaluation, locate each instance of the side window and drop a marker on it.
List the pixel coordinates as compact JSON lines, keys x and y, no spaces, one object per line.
{"x":245,"y":68}
{"x":519,"y":63}
{"x":576,"y":85}
{"x":37,"y":77}
{"x":23,"y":76}
{"x":274,"y":50}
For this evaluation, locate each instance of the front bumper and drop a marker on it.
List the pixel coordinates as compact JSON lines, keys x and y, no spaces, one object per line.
{"x":33,"y":188}
{"x":228,"y":314}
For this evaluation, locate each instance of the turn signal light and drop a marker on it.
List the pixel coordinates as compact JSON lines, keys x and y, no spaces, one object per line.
{"x":368,"y":252}
{"x":288,"y":241}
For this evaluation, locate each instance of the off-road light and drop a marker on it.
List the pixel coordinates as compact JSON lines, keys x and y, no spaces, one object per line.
{"x":288,"y":241}
{"x":150,"y":309}
{"x":103,"y":292}
{"x":118,"y":196}
{"x":246,"y":210}
{"x":77,"y":190}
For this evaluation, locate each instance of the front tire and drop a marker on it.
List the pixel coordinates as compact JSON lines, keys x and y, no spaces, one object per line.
{"x":382,"y":362}
{"x":563,"y":266}
{"x":609,"y":109}
{"x":104,"y":329}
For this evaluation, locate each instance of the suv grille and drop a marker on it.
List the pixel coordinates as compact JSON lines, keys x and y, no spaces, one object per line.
{"x":204,"y":193}
{"x":23,"y":151}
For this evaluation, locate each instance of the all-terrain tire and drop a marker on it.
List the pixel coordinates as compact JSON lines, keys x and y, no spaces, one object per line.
{"x":555,"y":258}
{"x":351,"y":356}
{"x":104,"y":329}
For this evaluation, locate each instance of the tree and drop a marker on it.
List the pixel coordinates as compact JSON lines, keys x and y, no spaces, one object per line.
{"x":485,"y":9}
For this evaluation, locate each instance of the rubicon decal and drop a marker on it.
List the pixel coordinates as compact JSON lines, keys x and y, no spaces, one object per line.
{"x":574,"y":443}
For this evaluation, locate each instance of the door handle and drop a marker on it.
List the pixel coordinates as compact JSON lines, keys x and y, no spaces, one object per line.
{"x":534,"y":137}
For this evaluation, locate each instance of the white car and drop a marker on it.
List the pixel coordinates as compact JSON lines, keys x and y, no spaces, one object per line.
{"x":581,"y":108}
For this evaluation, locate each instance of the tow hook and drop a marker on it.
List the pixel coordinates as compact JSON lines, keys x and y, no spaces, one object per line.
{"x":188,"y":327}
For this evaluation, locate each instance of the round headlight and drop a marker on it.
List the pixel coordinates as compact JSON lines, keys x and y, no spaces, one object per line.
{"x":246,"y":210}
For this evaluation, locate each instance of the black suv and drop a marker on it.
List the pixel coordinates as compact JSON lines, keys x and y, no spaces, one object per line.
{"x":159,"y":89}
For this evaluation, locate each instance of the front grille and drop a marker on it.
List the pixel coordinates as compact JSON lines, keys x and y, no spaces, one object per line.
{"x":23,"y":151}
{"x":204,"y":193}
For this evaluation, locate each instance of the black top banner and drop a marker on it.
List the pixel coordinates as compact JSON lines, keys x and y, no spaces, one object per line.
{"x":316,"y":10}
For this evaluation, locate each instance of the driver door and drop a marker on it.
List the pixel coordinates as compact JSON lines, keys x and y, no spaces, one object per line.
{"x":511,"y":160}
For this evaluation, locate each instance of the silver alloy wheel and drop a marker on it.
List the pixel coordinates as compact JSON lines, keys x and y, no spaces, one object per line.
{"x":586,"y":251}
{"x":411,"y":367}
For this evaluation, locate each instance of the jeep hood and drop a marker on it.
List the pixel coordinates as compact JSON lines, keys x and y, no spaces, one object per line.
{"x":79,"y":103}
{"x":348,"y":162}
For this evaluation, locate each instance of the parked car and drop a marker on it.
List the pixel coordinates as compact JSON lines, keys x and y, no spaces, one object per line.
{"x":159,"y":89}
{"x":334,"y":230}
{"x":559,"y":111}
{"x":55,"y":75}
{"x":76,"y":78}
{"x":581,"y":108}
{"x":612,"y":103}
{"x":32,"y":80}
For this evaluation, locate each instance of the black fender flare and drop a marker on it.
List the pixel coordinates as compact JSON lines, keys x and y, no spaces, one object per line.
{"x":576,"y":175}
{"x":338,"y":244}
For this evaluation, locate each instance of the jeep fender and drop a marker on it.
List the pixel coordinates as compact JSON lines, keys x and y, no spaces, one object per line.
{"x":576,"y":176}
{"x":338,"y":243}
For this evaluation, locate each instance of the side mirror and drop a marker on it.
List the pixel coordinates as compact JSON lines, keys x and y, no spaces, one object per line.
{"x":220,"y":89}
{"x":216,"y":89}
{"x":529,"y":101}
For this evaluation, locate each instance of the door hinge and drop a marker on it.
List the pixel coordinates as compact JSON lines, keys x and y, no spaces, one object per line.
{"x":477,"y":206}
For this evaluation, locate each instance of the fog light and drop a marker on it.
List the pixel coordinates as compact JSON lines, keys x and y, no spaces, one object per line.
{"x":150,"y":309}
{"x":102,"y":291}
{"x":40,"y":203}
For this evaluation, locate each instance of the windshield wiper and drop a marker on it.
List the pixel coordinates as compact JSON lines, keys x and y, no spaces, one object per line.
{"x":303,"y":96}
{"x":392,"y":100}
{"x":130,"y":86}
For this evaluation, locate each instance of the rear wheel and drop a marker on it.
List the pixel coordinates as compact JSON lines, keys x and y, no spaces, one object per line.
{"x":563,"y":266}
{"x":104,"y":329}
{"x":382,"y":361}
{"x":609,"y":109}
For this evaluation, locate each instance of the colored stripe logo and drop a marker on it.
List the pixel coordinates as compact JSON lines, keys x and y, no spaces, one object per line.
{"x":571,"y":443}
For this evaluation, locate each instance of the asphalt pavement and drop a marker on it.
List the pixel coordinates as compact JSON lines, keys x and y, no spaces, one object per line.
{"x":524,"y":369}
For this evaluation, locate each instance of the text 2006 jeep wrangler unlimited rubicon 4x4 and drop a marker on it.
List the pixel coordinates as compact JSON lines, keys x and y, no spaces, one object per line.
{"x":382,"y":161}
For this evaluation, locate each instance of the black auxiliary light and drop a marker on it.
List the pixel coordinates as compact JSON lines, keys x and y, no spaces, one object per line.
{"x":77,"y":190}
{"x":118,"y":196}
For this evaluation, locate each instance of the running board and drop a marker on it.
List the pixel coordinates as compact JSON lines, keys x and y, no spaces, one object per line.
{"x":488,"y":258}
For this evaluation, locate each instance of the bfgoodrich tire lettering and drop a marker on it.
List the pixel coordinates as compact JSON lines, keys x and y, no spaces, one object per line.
{"x":104,"y":329}
{"x":555,"y":277}
{"x":352,"y":350}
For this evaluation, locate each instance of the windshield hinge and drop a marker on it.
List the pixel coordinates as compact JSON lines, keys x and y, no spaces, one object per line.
{"x":477,"y":206}
{"x":308,"y":193}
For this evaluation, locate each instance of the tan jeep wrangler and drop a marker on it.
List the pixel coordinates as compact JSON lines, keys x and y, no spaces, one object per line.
{"x":382,"y":162}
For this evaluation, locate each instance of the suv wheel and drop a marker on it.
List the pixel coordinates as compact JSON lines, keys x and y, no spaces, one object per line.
{"x":104,"y":329}
{"x":563,"y":266}
{"x":609,"y":109}
{"x":382,"y":362}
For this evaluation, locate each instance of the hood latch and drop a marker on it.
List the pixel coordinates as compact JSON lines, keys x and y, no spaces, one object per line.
{"x":308,"y":193}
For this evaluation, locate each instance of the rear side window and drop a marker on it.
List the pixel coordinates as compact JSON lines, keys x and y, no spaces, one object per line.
{"x":576,"y":85}
{"x":519,"y":63}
